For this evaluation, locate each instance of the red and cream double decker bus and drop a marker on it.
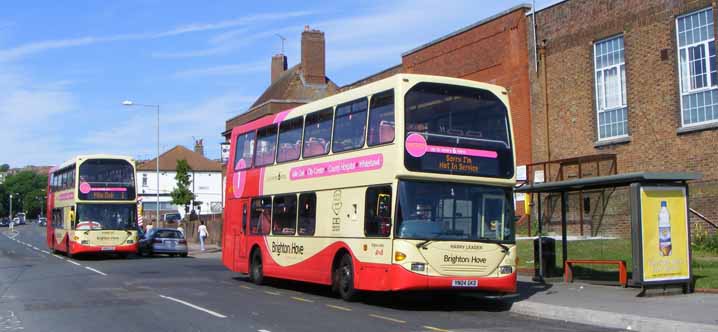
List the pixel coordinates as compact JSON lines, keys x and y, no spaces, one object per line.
{"x":91,"y":206}
{"x":402,"y":184}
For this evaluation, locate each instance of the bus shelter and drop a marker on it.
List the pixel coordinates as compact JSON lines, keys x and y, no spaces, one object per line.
{"x":660,"y":235}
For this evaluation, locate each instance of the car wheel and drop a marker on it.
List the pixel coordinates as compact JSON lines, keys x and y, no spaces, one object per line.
{"x":345,"y":279}
{"x":184,"y":254}
{"x":256,"y":272}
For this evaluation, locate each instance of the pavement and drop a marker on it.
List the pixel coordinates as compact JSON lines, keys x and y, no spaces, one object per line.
{"x":40,"y":291}
{"x":616,"y":307}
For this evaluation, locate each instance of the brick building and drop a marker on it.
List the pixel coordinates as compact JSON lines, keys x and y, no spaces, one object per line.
{"x":493,"y":50}
{"x":630,"y":78}
{"x":289,"y":88}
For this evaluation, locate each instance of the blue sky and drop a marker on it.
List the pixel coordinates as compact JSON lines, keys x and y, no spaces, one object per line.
{"x":65,"y":67}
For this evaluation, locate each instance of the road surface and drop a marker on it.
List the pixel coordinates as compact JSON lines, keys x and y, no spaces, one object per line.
{"x":40,"y":291}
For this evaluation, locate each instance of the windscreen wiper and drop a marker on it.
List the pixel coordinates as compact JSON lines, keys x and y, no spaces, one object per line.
{"x":487,"y":240}
{"x":425,"y":243}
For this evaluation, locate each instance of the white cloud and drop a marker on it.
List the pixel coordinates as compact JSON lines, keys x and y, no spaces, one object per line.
{"x":136,"y":135}
{"x":20,"y":51}
{"x":31,"y":119}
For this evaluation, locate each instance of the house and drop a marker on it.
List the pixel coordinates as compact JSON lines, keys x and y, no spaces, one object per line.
{"x":289,"y":88}
{"x":206,"y":181}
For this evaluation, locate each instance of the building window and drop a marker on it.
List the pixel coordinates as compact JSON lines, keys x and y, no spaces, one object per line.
{"x":697,"y":67}
{"x":307,"y":213}
{"x":349,"y":126}
{"x":610,"y":70}
{"x":284,"y":217}
{"x":144,"y":180}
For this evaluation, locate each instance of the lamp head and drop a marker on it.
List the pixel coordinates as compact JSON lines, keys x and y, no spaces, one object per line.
{"x":127,"y":103}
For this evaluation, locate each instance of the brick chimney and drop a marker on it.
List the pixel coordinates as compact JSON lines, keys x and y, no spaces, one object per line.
{"x":279,"y":65}
{"x":199,"y":147}
{"x":313,"y":58}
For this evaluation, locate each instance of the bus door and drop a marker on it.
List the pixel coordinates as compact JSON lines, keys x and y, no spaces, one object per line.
{"x":241,"y":235}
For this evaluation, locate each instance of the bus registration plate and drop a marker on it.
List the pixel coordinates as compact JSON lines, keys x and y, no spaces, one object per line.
{"x":108,"y":248}
{"x":464,"y":283}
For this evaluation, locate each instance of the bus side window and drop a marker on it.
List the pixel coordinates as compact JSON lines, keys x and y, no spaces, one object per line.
{"x":381,"y":118}
{"x":260,"y":216}
{"x":284,"y":217}
{"x":307,"y":213}
{"x":377,"y":216}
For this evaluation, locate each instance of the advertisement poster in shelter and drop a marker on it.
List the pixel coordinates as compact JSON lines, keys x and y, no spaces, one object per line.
{"x":664,"y":234}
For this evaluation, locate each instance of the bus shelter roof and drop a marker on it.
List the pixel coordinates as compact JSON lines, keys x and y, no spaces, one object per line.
{"x":608,"y":181}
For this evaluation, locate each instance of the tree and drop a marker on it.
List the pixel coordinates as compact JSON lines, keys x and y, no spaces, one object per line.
{"x":181,"y":194}
{"x":30,"y":186}
{"x":4,"y":168}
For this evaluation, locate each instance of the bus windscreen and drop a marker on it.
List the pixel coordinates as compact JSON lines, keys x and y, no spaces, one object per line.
{"x":457,"y":130}
{"x":107,"y":180}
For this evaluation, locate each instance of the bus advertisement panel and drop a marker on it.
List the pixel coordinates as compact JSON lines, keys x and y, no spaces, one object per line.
{"x":329,"y":193}
{"x":92,"y":206}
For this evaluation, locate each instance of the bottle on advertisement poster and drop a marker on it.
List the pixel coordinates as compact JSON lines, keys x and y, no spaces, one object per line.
{"x":664,"y":230}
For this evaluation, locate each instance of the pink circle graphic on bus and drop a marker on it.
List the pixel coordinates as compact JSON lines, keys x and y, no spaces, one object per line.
{"x":239,"y":179}
{"x":85,"y":188}
{"x":416,"y":145}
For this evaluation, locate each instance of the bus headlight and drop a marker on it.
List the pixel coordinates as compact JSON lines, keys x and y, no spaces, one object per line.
{"x":506,"y":269}
{"x":75,"y":238}
{"x":419,"y":267}
{"x":399,"y":256}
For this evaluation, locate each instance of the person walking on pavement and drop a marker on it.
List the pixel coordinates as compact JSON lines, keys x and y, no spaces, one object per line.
{"x":180,"y":229}
{"x":203,"y":234}
{"x":12,"y":224}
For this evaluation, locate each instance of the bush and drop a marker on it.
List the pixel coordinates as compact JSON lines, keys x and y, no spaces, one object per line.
{"x":703,"y":240}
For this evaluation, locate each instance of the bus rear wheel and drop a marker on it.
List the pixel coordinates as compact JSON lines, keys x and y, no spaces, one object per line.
{"x":256,"y":270}
{"x":345,"y":280}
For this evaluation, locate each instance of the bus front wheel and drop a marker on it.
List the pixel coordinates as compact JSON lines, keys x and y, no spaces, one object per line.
{"x":256,"y":273}
{"x":345,"y":279}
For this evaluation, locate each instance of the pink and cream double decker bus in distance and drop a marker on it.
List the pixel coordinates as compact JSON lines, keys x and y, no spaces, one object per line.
{"x":401,"y":184}
{"x":91,"y":206}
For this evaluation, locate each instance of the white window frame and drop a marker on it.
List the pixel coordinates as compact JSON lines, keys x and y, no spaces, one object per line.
{"x":709,"y":82}
{"x":623,"y":95}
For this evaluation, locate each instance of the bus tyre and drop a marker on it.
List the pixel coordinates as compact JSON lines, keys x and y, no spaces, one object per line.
{"x":256,"y":273}
{"x":345,"y":279}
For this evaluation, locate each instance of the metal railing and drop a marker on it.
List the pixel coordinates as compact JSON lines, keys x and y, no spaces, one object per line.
{"x":702,"y":217}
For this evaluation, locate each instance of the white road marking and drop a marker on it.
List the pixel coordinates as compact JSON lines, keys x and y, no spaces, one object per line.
{"x":338,"y":307}
{"x":36,"y":248}
{"x":72,"y":262}
{"x":273,"y":293}
{"x":96,"y":271}
{"x":264,"y":331}
{"x":215,"y":314}
{"x":388,"y":318}
{"x":58,"y":256}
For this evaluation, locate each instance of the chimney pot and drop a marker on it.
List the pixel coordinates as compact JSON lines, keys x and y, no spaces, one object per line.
{"x":199,"y":146}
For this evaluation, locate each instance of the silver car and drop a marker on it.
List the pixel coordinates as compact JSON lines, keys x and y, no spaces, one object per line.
{"x":163,"y":241}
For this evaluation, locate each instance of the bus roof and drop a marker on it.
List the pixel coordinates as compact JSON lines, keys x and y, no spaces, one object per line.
{"x":364,"y":90}
{"x":75,"y":159}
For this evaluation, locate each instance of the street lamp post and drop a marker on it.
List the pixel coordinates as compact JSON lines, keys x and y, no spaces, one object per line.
{"x":16,"y":194}
{"x":157,"y":106}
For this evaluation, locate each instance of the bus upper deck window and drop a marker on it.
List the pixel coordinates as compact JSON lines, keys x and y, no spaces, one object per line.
{"x":381,"y":118}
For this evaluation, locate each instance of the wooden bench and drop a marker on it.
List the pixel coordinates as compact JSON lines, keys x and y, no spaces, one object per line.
{"x":622,"y":274}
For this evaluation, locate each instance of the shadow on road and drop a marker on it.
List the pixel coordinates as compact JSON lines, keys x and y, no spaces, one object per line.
{"x":419,"y":300}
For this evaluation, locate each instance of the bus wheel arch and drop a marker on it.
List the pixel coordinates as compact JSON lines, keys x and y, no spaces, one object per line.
{"x":256,"y":267}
